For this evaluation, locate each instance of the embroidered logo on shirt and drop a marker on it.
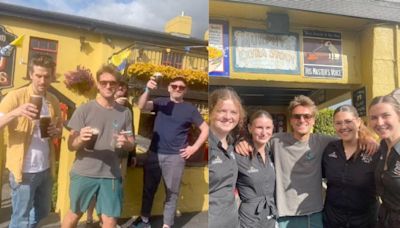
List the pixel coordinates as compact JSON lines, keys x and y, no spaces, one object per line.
{"x":252,"y":170}
{"x":366,"y":158}
{"x":332,"y":155}
{"x":396,"y":169}
{"x":310,"y":155}
{"x":216,"y":160}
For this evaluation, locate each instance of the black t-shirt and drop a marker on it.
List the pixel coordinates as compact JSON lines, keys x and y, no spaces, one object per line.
{"x":351,"y":194}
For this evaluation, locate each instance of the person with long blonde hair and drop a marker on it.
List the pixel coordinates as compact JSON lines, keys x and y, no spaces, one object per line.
{"x":384,"y":119}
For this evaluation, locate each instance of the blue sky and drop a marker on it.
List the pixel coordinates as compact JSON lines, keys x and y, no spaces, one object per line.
{"x":148,"y":14}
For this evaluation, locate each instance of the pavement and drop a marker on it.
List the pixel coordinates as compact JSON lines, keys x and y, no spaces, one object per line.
{"x":186,"y":220}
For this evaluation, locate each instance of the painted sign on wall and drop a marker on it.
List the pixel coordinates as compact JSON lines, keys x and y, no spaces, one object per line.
{"x":218,"y":48}
{"x":260,"y":52}
{"x":322,"y":54}
{"x":7,"y":58}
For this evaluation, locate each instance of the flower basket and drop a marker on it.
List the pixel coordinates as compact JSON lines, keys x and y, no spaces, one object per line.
{"x":142,"y":71}
{"x":79,"y":80}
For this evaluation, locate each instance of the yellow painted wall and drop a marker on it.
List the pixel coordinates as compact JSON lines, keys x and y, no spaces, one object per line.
{"x":253,"y":16}
{"x":180,"y":25}
{"x":95,"y":54}
{"x":370,"y":50}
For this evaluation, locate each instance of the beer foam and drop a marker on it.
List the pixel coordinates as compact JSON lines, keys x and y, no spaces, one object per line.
{"x":95,"y":131}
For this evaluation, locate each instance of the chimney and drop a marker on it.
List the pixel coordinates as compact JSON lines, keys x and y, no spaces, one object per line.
{"x":179,"y":26}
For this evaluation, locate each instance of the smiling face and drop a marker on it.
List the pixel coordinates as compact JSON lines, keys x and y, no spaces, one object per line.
{"x":385,"y":121}
{"x":106,"y":85}
{"x":41,"y":78}
{"x":177,"y":90}
{"x":261,"y":130}
{"x":224,"y":117}
{"x":302,"y":121}
{"x":346,"y":125}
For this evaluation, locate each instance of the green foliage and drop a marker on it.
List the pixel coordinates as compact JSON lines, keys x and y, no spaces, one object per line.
{"x":324,"y":122}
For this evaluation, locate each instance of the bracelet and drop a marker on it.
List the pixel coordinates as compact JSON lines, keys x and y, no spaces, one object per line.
{"x":146,"y":90}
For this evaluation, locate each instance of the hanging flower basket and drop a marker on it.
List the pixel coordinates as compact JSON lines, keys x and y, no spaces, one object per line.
{"x":79,"y":80}
{"x":195,"y":78}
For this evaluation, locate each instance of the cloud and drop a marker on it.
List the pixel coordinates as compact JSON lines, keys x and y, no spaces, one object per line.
{"x":147,"y":14}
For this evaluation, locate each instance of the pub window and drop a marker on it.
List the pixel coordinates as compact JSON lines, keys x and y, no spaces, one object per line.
{"x":43,"y":46}
{"x":173,"y":59}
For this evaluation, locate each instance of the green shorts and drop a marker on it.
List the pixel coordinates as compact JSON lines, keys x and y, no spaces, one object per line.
{"x":108,"y":193}
{"x":302,"y":221}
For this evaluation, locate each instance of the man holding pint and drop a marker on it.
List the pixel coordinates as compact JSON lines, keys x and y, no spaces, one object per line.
{"x":169,"y":146}
{"x":30,"y":152}
{"x":101,"y":132}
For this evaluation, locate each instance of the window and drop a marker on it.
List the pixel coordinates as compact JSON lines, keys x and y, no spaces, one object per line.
{"x":42,"y":46}
{"x":173,"y":59}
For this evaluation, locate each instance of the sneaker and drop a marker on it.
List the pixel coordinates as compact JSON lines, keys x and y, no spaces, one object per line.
{"x":138,"y":223}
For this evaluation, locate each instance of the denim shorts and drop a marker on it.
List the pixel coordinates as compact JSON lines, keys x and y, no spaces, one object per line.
{"x":107,"y":191}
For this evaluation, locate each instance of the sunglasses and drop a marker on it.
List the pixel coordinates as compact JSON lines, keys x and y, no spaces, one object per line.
{"x":179,"y":87}
{"x":111,"y":83}
{"x":305,"y":116}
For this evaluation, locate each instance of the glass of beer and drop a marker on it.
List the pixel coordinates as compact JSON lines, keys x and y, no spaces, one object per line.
{"x":37,"y":101}
{"x":44,"y":124}
{"x":90,"y":144}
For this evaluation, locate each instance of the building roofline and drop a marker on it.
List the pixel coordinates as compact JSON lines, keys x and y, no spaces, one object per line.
{"x":368,"y":9}
{"x":96,"y":26}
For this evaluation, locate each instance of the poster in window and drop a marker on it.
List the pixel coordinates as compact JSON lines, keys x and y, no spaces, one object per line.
{"x":7,"y":58}
{"x":322,"y":54}
{"x":218,"y":49}
{"x":260,"y":52}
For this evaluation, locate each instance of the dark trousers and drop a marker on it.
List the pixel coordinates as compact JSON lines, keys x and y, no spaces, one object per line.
{"x":388,"y":218}
{"x":170,"y":167}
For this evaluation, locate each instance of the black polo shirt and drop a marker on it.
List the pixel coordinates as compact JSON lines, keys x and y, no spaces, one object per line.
{"x":351,"y":194}
{"x":223,"y":172}
{"x":388,"y":181}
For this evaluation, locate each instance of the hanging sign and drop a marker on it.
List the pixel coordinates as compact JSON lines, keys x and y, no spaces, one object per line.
{"x":322,"y":54}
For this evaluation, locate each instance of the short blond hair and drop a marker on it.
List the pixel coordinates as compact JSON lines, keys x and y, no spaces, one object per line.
{"x":304,"y":101}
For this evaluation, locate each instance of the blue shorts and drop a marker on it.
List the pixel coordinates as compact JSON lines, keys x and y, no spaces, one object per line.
{"x":107,"y":191}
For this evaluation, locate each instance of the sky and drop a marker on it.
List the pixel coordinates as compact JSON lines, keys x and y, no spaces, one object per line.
{"x":147,"y":14}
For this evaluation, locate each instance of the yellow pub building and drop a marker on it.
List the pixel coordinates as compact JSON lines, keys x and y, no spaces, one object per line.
{"x":85,"y":44}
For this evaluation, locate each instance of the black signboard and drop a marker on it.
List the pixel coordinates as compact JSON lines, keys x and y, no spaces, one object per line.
{"x":359,"y":101}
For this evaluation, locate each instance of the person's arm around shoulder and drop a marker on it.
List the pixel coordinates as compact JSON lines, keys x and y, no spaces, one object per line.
{"x":144,"y":103}
{"x":187,"y":152}
{"x":78,"y":138}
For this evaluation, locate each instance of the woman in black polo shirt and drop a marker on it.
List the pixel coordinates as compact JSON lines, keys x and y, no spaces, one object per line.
{"x":226,"y":113}
{"x":384,"y":118}
{"x":256,"y":177}
{"x":351,"y":199}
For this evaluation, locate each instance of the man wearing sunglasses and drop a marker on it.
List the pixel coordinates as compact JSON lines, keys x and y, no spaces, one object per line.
{"x":169,"y":146}
{"x":96,"y":171}
{"x":297,"y":156}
